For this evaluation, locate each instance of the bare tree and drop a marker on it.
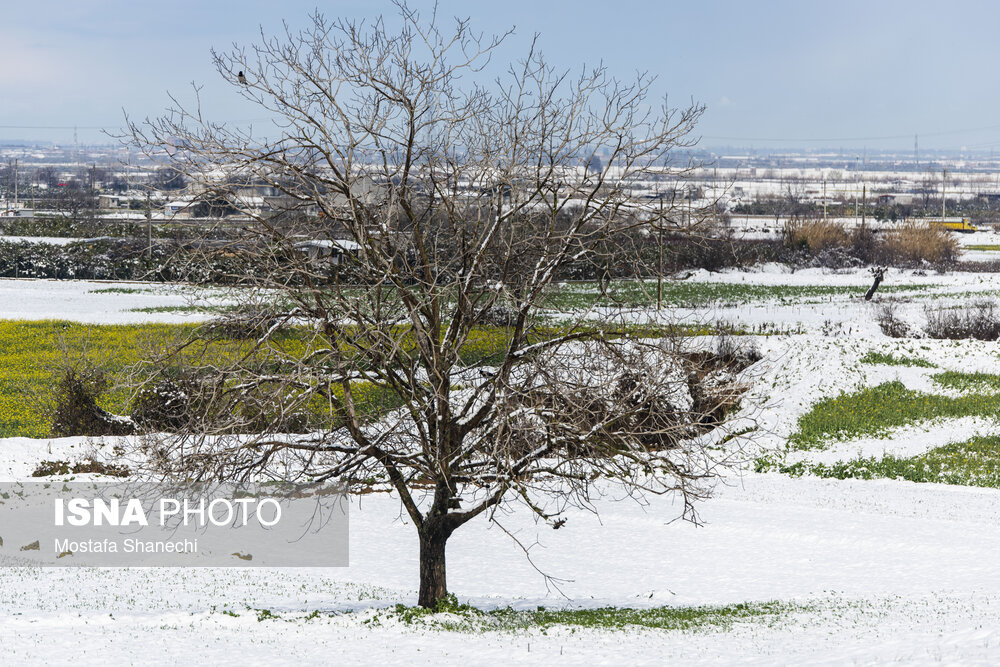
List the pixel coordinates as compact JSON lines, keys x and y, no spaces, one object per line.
{"x":418,"y":217}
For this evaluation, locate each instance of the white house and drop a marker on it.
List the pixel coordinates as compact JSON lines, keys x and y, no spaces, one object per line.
{"x":179,"y":208}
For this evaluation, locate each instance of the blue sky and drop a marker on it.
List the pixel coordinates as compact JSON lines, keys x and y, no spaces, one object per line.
{"x":773,"y":74}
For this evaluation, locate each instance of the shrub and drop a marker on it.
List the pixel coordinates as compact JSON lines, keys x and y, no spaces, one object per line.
{"x":681,"y":253}
{"x":817,"y":235}
{"x":889,"y":359}
{"x":75,"y":410}
{"x":47,"y":468}
{"x":164,"y":406}
{"x":978,"y":321}
{"x":500,"y":316}
{"x":251,"y":322}
{"x":888,"y":320}
{"x":173,"y":405}
{"x":732,"y":354}
{"x":114,"y":259}
{"x":830,"y":244}
{"x":714,"y":377}
{"x":867,"y":247}
{"x":915,"y":243}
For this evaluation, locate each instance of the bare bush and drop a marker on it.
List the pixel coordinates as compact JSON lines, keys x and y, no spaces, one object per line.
{"x":867,"y":246}
{"x":887,"y":316}
{"x":204,"y":403}
{"x":89,"y":466}
{"x":830,"y":244}
{"x":978,"y":321}
{"x":74,"y":408}
{"x":734,"y":353}
{"x":715,"y":379}
{"x":163,"y":405}
{"x":500,"y":316}
{"x":248,"y":322}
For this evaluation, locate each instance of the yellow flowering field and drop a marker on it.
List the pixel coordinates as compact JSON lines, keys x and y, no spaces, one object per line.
{"x":33,"y":354}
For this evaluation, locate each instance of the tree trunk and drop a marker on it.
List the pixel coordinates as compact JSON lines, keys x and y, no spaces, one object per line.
{"x":878,"y":274}
{"x":433,"y":580}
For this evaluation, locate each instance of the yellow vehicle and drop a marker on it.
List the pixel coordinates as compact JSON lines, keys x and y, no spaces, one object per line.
{"x":954,"y":224}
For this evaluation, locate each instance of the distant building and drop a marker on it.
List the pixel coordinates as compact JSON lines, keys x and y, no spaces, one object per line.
{"x":179,"y":208}
{"x":903,"y":199}
{"x":109,"y":201}
{"x":328,"y":251}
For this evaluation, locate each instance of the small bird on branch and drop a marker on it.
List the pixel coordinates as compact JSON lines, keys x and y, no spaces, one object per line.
{"x":242,"y":79}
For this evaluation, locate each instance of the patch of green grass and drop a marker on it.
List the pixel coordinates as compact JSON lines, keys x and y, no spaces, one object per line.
{"x":465,"y":618}
{"x":892,"y":360}
{"x":962,"y":296}
{"x":982,"y":246}
{"x":975,"y":462}
{"x":642,"y":293}
{"x":967,"y":381}
{"x":266,"y":615}
{"x":876,"y":410}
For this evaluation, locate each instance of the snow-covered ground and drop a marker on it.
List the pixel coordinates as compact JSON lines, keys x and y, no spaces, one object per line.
{"x":882,"y":571}
{"x":980,"y":238}
{"x":840,"y":314}
{"x":893,"y":571}
{"x":51,"y":240}
{"x":101,"y":302}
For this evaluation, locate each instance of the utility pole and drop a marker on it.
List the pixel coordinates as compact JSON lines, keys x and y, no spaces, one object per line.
{"x":944,"y":184}
{"x":824,"y":200}
{"x":149,"y":227}
{"x":864,"y":200}
{"x":856,"y":159}
{"x":715,"y":188}
{"x":15,"y":184}
{"x":659,"y":272}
